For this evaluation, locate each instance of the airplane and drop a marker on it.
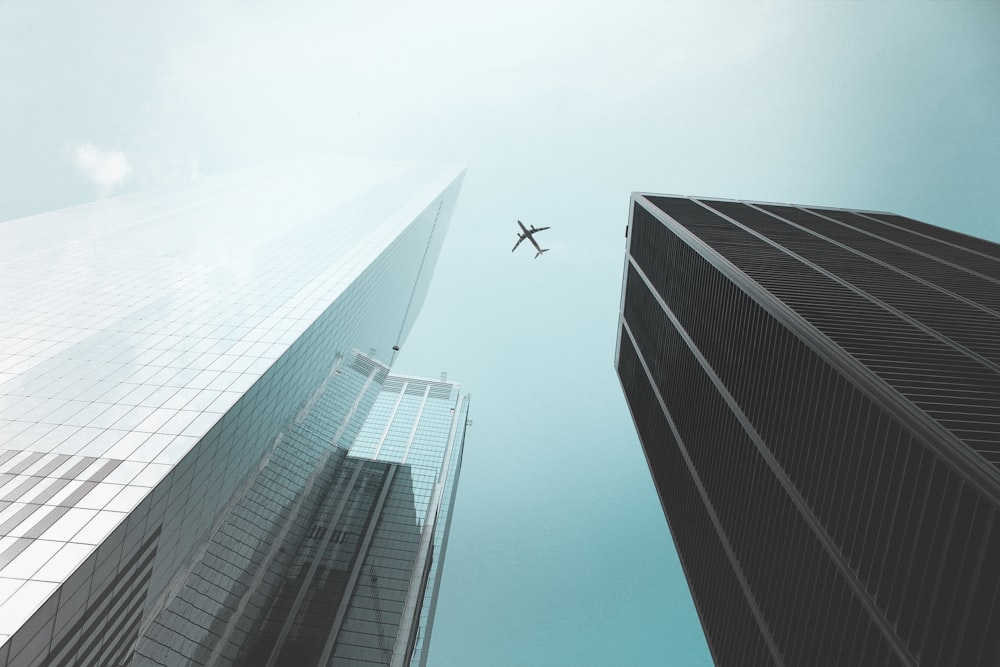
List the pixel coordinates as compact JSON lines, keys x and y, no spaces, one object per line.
{"x":530,"y":235}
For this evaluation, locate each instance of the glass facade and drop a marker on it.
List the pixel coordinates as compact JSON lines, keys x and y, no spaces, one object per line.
{"x":179,"y":389}
{"x":817,"y":393}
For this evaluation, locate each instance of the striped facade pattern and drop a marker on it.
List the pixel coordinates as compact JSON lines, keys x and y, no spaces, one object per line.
{"x":817,"y":393}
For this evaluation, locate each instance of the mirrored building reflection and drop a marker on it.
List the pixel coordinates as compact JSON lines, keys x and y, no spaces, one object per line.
{"x":203,"y":456}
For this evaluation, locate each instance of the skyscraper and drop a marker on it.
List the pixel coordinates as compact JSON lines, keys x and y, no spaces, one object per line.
{"x":186,"y":378}
{"x":817,"y":392}
{"x":347,"y":571}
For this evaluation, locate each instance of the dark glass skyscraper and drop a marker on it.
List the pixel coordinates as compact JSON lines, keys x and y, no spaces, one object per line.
{"x":817,"y":392}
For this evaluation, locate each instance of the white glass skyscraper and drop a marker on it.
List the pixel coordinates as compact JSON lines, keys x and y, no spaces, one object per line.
{"x":182,"y":374}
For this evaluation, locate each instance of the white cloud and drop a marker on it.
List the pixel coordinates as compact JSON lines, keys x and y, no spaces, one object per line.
{"x":104,"y":168}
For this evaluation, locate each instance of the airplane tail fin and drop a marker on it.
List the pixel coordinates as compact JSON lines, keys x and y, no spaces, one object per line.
{"x":539,"y":253}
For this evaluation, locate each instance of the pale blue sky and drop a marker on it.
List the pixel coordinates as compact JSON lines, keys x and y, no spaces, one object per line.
{"x":559,"y":553}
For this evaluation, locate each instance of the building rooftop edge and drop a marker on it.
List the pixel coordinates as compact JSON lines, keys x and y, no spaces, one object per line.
{"x":646,"y":193}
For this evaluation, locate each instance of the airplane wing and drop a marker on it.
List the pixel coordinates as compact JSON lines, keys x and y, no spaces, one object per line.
{"x":519,"y":239}
{"x":538,"y":229}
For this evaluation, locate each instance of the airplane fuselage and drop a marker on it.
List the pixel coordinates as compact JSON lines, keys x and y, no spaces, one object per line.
{"x":530,"y":235}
